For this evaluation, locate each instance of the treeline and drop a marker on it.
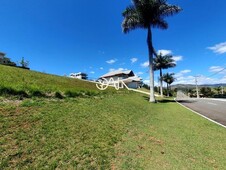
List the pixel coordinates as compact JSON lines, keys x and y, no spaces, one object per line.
{"x":215,"y":92}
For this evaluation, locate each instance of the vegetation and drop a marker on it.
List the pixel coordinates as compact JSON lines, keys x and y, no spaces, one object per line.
{"x":163,"y":62}
{"x":111,"y":130}
{"x":169,"y":79}
{"x":24,"y":63}
{"x":206,"y":92}
{"x":146,"y":14}
{"x":7,"y":61}
{"x":24,"y":83}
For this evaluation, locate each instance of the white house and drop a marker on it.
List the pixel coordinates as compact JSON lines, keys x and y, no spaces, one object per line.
{"x":127,"y":76}
{"x":79,"y":75}
{"x":6,"y":61}
{"x":2,"y":55}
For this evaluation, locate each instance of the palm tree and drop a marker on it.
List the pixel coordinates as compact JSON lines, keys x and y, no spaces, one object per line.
{"x":146,"y":14}
{"x":163,"y":62}
{"x":169,"y":79}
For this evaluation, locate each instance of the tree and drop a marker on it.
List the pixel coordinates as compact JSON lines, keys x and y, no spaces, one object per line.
{"x":206,"y":92}
{"x":163,"y":62}
{"x":24,"y":63}
{"x":218,"y":89}
{"x":169,"y":79}
{"x":145,"y":14}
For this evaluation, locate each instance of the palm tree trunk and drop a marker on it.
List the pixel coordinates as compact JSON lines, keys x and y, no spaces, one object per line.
{"x":161,"y":92}
{"x":167,"y":89}
{"x":151,"y":70}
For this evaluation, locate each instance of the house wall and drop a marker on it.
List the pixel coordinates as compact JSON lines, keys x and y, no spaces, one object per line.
{"x":4,"y":61}
{"x":2,"y":55}
{"x":133,"y":85}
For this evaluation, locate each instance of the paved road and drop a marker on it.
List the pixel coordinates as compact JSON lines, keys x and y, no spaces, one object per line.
{"x":214,"y":109}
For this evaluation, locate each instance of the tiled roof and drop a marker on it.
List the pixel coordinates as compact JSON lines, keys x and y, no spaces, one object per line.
{"x":117,"y":72}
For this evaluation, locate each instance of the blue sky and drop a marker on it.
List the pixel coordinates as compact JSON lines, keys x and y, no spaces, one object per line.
{"x":65,"y":36}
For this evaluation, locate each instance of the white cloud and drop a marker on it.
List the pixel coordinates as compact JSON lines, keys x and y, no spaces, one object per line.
{"x":164,"y":52}
{"x":120,"y":69}
{"x":185,"y":71}
{"x":182,"y":78}
{"x":139,"y":73}
{"x":177,"y":58}
{"x":101,"y":68}
{"x":112,"y":61}
{"x":210,"y":80}
{"x":92,"y":72}
{"x":182,"y":72}
{"x":147,"y":81}
{"x":169,"y":52}
{"x":145,"y":64}
{"x":133,"y":60}
{"x":218,"y":48}
{"x":101,"y":52}
{"x":216,"y":69}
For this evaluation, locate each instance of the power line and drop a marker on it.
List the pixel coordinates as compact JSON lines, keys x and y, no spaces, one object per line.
{"x":216,"y":72}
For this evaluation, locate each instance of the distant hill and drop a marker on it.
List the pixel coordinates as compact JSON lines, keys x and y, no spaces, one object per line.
{"x":190,"y":86}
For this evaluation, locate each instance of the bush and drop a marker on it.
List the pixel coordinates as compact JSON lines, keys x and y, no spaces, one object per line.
{"x":90,"y":93}
{"x":7,"y":91}
{"x":22,"y":94}
{"x":37,"y":93}
{"x":72,"y":94}
{"x":58,"y":95}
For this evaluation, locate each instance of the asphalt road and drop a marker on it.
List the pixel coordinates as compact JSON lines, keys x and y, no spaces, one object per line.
{"x":214,"y":109}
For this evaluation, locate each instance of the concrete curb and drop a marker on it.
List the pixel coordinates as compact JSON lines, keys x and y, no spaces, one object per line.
{"x":201,"y":115}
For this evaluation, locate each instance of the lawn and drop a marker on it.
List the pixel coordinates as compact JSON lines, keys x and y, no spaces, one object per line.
{"x":110,"y":130}
{"x":19,"y":81}
{"x":120,"y":131}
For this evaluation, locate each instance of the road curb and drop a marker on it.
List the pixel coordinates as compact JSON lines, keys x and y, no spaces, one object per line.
{"x":201,"y":115}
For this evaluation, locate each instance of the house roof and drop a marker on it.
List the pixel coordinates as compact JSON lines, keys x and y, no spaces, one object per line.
{"x":132,"y":79}
{"x":1,"y":53}
{"x":118,"y":72}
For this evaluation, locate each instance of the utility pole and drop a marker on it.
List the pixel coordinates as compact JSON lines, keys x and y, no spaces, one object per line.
{"x":197,"y":90}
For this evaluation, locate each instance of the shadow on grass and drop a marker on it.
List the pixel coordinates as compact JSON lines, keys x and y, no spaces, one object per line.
{"x":164,"y":100}
{"x":186,"y":101}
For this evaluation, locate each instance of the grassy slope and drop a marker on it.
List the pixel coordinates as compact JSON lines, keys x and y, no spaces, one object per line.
{"x":119,"y":131}
{"x":21,"y":79}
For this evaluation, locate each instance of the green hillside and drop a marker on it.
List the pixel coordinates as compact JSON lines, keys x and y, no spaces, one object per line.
{"x":17,"y":80}
{"x":119,"y":130}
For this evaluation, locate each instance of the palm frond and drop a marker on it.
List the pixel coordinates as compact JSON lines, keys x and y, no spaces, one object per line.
{"x":131,"y":19}
{"x":130,"y":10}
{"x":169,"y":10}
{"x":130,"y":23}
{"x":163,"y":62}
{"x":160,"y":23}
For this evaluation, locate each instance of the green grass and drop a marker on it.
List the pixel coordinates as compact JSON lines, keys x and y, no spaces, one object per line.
{"x":119,"y":130}
{"x":17,"y":81}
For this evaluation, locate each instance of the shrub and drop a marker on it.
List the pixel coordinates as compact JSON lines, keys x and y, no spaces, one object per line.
{"x":58,"y":95}
{"x":72,"y":94}
{"x":22,"y":94}
{"x":37,"y":93}
{"x":7,"y":91}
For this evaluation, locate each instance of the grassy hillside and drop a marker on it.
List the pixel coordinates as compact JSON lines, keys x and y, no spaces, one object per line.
{"x":17,"y":80}
{"x":112,"y":131}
